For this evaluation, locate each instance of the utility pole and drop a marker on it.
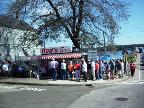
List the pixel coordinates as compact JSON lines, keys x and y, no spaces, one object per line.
{"x":44,"y":44}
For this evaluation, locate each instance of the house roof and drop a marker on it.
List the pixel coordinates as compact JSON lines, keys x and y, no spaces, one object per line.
{"x":10,"y":22}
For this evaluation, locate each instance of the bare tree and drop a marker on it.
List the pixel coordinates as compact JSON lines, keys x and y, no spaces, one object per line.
{"x":75,"y":19}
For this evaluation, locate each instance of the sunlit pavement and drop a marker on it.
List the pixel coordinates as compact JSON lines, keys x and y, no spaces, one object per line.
{"x":125,"y":94}
{"x":31,"y":81}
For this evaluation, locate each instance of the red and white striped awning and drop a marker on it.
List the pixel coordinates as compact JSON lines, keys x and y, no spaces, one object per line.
{"x":57,"y":56}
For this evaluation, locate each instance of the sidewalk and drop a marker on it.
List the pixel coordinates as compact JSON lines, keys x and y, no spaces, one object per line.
{"x":48,"y":82}
{"x":33,"y":81}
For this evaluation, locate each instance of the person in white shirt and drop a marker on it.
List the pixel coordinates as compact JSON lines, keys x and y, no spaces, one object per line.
{"x":128,"y":68}
{"x":122,"y":69}
{"x":84,"y":70}
{"x":92,"y":70}
{"x":5,"y":69}
{"x":63,"y":70}
{"x":53,"y":67}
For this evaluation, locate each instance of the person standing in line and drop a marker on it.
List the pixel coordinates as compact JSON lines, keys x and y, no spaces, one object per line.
{"x":89,"y":69}
{"x":63,"y":70}
{"x":10,"y":68}
{"x":5,"y":69}
{"x":92,"y":70}
{"x":41,"y":71}
{"x":34,"y":70}
{"x":115,"y":71}
{"x":97,"y":70}
{"x":107,"y":69}
{"x":119,"y":67}
{"x":53,"y":68}
{"x":102,"y":69}
{"x":30,"y":72}
{"x":132,"y":68}
{"x":122,"y":68}
{"x":77,"y":68}
{"x":14,"y":65}
{"x":70,"y":71}
{"x":84,"y":70}
{"x":128,"y":69}
{"x":112,"y":68}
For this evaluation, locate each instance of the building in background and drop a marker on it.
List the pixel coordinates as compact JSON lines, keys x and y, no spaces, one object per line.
{"x":12,"y":31}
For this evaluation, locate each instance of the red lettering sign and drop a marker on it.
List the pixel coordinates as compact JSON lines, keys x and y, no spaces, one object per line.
{"x":62,"y":49}
{"x":52,"y":50}
{"x":56,"y":50}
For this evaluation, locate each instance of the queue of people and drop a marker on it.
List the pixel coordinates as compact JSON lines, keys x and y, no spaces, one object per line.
{"x":71,"y":70}
{"x":93,"y":70}
{"x":13,"y":69}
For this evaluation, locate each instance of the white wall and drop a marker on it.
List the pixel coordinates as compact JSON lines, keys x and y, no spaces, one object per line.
{"x":11,"y":38}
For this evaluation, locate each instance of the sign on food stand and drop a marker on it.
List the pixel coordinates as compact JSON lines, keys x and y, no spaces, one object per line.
{"x":54,"y":50}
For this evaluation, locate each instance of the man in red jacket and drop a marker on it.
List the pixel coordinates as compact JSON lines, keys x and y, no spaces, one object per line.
{"x":97,"y":70}
{"x":132,"y":68}
{"x":77,"y":68}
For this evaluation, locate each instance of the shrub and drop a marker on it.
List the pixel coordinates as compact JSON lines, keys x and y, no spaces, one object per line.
{"x":131,"y":58}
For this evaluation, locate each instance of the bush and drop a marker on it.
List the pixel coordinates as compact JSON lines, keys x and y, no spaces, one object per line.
{"x":131,"y":58}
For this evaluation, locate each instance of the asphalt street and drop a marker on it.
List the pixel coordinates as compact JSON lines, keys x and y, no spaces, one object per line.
{"x":47,"y":97}
{"x":128,"y":94}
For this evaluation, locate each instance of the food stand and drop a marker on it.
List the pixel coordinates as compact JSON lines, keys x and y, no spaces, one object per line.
{"x":63,"y":52}
{"x":59,"y":53}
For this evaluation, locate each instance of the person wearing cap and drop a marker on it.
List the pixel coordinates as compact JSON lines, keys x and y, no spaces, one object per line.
{"x":84,"y":70}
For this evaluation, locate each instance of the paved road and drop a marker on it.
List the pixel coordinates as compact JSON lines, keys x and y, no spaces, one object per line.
{"x":39,"y":97}
{"x":128,"y":94}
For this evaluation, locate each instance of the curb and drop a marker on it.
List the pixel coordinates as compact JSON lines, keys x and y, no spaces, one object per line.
{"x":64,"y":84}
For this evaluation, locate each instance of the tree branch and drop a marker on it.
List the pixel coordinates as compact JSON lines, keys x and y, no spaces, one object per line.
{"x":81,"y":6}
{"x":73,"y":4}
{"x":59,"y":17}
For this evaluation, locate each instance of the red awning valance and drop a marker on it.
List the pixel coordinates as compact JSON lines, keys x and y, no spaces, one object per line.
{"x":57,"y":56}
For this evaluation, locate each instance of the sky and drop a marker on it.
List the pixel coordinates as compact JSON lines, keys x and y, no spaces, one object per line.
{"x":132,"y":31}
